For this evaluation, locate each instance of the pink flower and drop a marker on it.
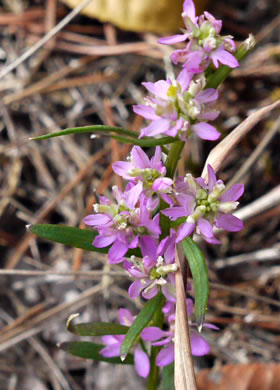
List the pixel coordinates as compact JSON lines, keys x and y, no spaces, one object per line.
{"x":113,"y":347}
{"x":156,"y":271}
{"x":180,"y":108}
{"x":204,"y":206}
{"x":165,"y":338}
{"x":151,"y":173}
{"x":205,"y":44}
{"x":124,"y":222}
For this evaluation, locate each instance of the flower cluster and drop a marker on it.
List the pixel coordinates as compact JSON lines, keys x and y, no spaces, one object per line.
{"x":182,"y":107}
{"x":130,"y":224}
{"x":154,"y":336}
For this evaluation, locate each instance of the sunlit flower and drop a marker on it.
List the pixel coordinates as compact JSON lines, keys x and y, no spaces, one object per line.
{"x":204,"y":205}
{"x":204,"y":42}
{"x":180,"y":108}
{"x":114,"y":342}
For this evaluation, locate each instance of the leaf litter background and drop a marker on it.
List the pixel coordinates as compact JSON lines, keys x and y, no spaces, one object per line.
{"x":91,"y":73}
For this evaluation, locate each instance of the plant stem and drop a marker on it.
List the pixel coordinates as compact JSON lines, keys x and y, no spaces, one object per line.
{"x":171,"y":165}
{"x":173,"y":158}
{"x":153,"y":378}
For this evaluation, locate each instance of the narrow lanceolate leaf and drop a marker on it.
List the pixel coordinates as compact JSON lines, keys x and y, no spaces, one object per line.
{"x":200,"y":277}
{"x":146,"y":142}
{"x":67,"y":235}
{"x":140,"y":322}
{"x":72,"y":236}
{"x":88,"y":350}
{"x":96,"y":328}
{"x":90,"y":129}
{"x":168,"y":377}
{"x":119,"y":133}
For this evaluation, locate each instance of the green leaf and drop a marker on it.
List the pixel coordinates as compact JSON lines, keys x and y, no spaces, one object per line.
{"x":96,"y":328}
{"x":68,"y":235}
{"x":168,"y":377}
{"x":200,"y":277}
{"x":89,"y":129}
{"x":146,"y":142}
{"x":72,"y":236}
{"x":88,"y":350}
{"x":118,"y":133}
{"x":140,"y":322}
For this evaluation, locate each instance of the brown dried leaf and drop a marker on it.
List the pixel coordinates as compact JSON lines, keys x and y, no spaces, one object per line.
{"x":217,"y":155}
{"x":159,"y":16}
{"x":255,"y":376}
{"x":184,"y":376}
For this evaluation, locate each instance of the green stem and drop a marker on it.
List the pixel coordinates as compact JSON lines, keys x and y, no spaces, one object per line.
{"x":153,"y":378}
{"x":173,"y":158}
{"x":171,"y":165}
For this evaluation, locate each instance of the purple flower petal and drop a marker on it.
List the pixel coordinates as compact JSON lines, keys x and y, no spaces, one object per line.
{"x":158,"y":88}
{"x":192,"y":60}
{"x":148,"y":246}
{"x":212,"y":241}
{"x":205,"y":228}
{"x":140,"y":158}
{"x":173,"y":39}
{"x":233,"y":193}
{"x":156,"y":161}
{"x":212,"y":180}
{"x":189,"y":9}
{"x":184,"y":79}
{"x":157,"y":127}
{"x":132,"y":196}
{"x":165,"y":356}
{"x":150,"y":293}
{"x":125,"y":317}
{"x":97,"y":219}
{"x":141,"y":362}
{"x":112,"y":350}
{"x":174,"y":212}
{"x":229,"y":222}
{"x":208,"y":115}
{"x":162,"y":184}
{"x":117,"y":252}
{"x":207,"y":95}
{"x":135,"y":289}
{"x":206,"y":131}
{"x":185,"y":230}
{"x":146,"y":112}
{"x":198,"y":345}
{"x":217,"y":24}
{"x":103,"y":241}
{"x":121,"y":168}
{"x":187,"y":201}
{"x":211,"y":326}
{"x":112,"y":339}
{"x":153,"y":333}
{"x":224,"y":57}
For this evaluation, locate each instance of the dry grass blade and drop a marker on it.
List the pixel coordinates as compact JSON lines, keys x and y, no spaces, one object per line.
{"x":184,"y":371}
{"x":45,"y":39}
{"x":218,"y":154}
{"x":254,"y":376}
